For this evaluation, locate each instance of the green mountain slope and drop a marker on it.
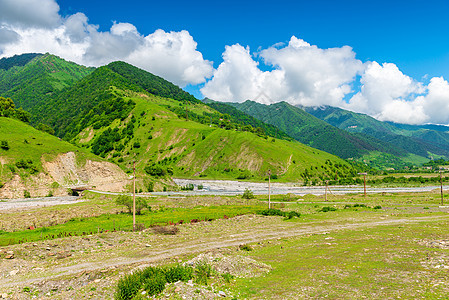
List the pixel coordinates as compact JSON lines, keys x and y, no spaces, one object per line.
{"x":414,"y":139}
{"x":35,"y":82}
{"x":7,"y":63}
{"x":243,"y":118}
{"x":314,"y":132}
{"x":42,"y":164}
{"x":163,"y":143}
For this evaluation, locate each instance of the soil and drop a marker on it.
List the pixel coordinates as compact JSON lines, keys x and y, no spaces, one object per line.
{"x":89,"y":266}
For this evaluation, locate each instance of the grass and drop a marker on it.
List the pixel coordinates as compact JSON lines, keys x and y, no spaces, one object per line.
{"x":185,"y":145}
{"x":376,"y":263}
{"x":116,"y":222}
{"x":25,"y":142}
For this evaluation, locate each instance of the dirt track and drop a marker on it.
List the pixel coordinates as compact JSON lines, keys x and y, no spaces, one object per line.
{"x":192,"y":239}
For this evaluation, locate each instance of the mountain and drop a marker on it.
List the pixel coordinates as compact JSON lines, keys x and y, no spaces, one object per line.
{"x":314,"y":132}
{"x":419,"y":140}
{"x":35,"y":163}
{"x":125,"y":114}
{"x":31,"y":79}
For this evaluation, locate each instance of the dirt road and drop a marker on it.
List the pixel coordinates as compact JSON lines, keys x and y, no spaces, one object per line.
{"x":144,"y":248}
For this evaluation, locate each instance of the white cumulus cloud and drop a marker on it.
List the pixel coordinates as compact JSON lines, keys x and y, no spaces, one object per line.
{"x":35,"y":26}
{"x":302,"y":74}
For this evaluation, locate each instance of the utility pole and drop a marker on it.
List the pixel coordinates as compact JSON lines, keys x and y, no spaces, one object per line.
{"x":441,"y":187}
{"x":364,"y":182}
{"x":325,"y":191}
{"x":269,"y":189}
{"x":134,"y":195}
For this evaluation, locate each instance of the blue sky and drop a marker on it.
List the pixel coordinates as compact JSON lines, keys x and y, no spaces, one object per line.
{"x":388,"y":59}
{"x":412,"y":34}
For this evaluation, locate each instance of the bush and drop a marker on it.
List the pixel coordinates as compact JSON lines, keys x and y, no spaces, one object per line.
{"x":248,"y":194}
{"x":151,"y":279}
{"x":178,"y":273}
{"x":272,"y":212}
{"x":203,"y":272}
{"x":127,"y":201}
{"x":245,"y":248}
{"x":188,"y":187}
{"x":155,"y":284}
{"x":327,"y":208}
{"x":227,"y":277}
{"x":128,"y":286}
{"x":26,"y":194}
{"x":377,"y":207}
{"x":4,"y":145}
{"x":151,"y":186}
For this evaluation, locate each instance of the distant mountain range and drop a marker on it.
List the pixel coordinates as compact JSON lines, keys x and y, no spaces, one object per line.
{"x":429,"y":141}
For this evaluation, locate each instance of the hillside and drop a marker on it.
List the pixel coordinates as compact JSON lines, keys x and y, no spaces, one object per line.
{"x":164,"y":143}
{"x":419,"y":140}
{"x":31,"y":79}
{"x":41,"y":164}
{"x":314,"y":132}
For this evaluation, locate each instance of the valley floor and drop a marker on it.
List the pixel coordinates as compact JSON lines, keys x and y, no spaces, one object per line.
{"x":400,"y":250}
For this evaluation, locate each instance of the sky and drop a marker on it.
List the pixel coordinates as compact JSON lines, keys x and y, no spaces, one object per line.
{"x":388,"y":59}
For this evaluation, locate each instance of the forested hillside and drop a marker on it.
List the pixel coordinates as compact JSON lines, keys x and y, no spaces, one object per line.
{"x":314,"y":132}
{"x":418,"y":140}
{"x":31,"y":83}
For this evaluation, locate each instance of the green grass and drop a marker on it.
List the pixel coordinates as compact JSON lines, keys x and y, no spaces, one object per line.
{"x":192,"y":149}
{"x":113,"y":222}
{"x":377,"y":263}
{"x":25,"y":142}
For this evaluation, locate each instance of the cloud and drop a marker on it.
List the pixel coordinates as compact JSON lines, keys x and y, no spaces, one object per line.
{"x":307,"y":75}
{"x":389,"y":95}
{"x":172,"y":55}
{"x":29,"y":13}
{"x":302,"y":74}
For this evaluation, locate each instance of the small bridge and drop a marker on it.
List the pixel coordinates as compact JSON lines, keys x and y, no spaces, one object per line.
{"x":76,"y":190}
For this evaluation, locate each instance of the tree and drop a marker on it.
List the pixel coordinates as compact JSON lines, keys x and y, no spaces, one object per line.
{"x":127,"y":201}
{"x":45,"y":128}
{"x":7,"y":107}
{"x":23,"y":115}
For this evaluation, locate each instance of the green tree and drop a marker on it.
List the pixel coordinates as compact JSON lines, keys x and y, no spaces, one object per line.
{"x":127,"y":201}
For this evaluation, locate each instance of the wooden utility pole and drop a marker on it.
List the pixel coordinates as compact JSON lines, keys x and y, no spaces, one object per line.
{"x":364,"y":182}
{"x":441,"y":187}
{"x":134,"y":195}
{"x":269,"y":189}
{"x":325,"y":191}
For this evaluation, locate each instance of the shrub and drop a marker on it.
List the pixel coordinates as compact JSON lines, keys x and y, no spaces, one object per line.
{"x":155,"y":284}
{"x":151,"y":186}
{"x":188,"y":187}
{"x":127,"y":201}
{"x":248,"y":194}
{"x":151,"y":279}
{"x":227,"y":277}
{"x":200,"y":186}
{"x":128,"y":286}
{"x":203,"y":271}
{"x":377,"y":207}
{"x":4,"y":145}
{"x":272,"y":212}
{"x":327,"y":208}
{"x":292,"y":214}
{"x":26,"y":194}
{"x":178,"y":273}
{"x":245,"y":248}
